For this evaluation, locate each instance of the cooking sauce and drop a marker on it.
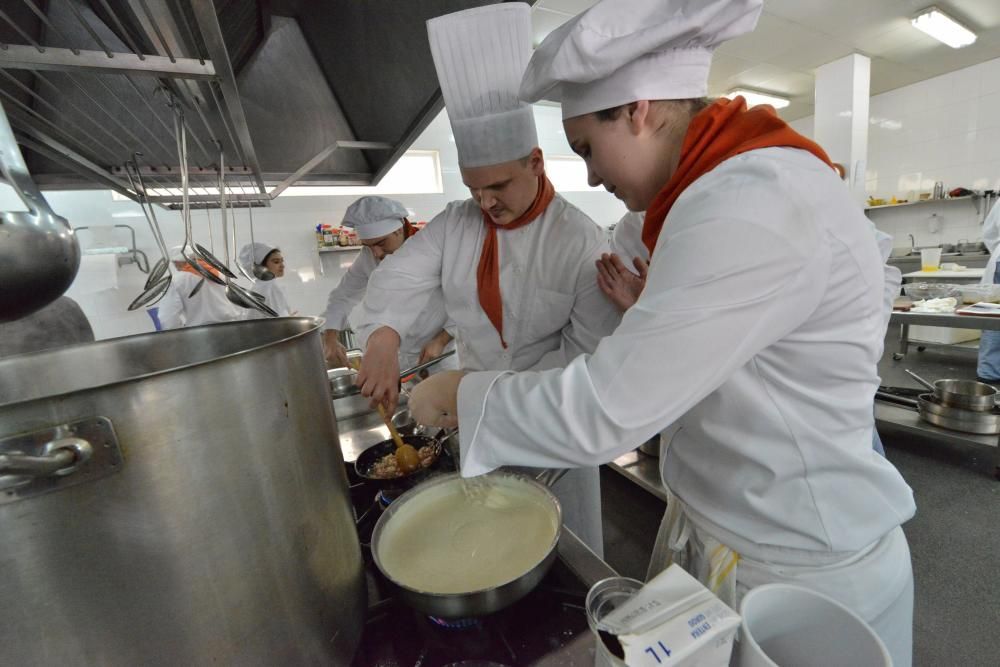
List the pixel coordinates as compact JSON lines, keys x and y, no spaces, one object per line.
{"x":464,"y":536}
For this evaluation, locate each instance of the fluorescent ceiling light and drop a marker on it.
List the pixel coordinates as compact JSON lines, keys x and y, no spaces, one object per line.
{"x":754,"y":97}
{"x":943,"y":28}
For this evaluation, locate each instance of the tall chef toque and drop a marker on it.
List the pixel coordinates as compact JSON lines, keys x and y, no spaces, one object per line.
{"x":620,"y":51}
{"x":480,"y":55}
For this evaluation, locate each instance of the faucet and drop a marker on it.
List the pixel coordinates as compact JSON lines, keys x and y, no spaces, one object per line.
{"x":913,"y":242}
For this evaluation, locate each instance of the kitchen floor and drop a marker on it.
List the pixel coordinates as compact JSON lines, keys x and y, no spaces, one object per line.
{"x":954,"y":537}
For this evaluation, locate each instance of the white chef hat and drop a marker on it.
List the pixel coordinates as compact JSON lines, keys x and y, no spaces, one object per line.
{"x":480,"y":55}
{"x":254,"y":253}
{"x":620,"y":51}
{"x":373,"y":217}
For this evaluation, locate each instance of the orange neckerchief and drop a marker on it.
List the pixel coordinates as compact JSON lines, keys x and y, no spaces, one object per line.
{"x":726,"y":128}
{"x":488,"y":273}
{"x":205,"y":265}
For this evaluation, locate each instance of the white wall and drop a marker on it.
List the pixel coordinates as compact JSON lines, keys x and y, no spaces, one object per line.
{"x":105,"y":292}
{"x":942,"y":129}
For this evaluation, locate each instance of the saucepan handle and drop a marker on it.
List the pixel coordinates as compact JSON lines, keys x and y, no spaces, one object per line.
{"x":550,"y":476}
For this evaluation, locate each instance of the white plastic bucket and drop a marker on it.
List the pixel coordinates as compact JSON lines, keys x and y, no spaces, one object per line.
{"x":791,"y":626}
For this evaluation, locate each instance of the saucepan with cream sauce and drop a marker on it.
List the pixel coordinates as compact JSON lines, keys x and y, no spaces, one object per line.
{"x":458,"y":548}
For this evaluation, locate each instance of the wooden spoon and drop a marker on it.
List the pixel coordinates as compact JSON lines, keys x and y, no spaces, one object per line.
{"x":406,"y":455}
{"x":407,"y":459}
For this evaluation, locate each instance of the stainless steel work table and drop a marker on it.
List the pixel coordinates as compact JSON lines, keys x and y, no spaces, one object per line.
{"x":949,"y":320}
{"x":642,"y":469}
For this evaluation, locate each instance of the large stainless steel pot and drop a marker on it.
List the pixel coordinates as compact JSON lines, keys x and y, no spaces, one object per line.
{"x":211,"y":523}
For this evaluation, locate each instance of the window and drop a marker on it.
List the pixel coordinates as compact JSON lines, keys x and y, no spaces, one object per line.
{"x":568,"y":173}
{"x":416,"y":172}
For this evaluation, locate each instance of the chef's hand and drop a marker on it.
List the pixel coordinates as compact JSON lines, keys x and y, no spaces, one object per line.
{"x":434,"y":402}
{"x":378,"y":376}
{"x":435,"y":346}
{"x":620,"y":285}
{"x":334,"y":353}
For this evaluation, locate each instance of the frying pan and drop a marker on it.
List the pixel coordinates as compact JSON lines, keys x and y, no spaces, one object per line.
{"x":481,"y":601}
{"x":366,"y":461}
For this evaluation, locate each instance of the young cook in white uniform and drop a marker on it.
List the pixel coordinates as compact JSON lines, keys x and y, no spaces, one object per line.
{"x":758,"y":331}
{"x":382,"y":227}
{"x":267,"y":257}
{"x":515,"y":262}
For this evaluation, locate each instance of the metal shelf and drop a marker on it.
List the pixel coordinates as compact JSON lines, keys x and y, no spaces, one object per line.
{"x":346,"y":248}
{"x":975,"y":199}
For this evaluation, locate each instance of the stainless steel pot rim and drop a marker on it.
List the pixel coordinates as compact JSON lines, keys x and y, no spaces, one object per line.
{"x":161,"y":337}
{"x":445,"y":479}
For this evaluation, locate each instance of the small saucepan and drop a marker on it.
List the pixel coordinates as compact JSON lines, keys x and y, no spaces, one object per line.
{"x":461,"y":548}
{"x":964,"y":394}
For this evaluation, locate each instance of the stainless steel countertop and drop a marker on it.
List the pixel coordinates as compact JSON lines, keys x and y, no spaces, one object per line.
{"x":359,"y":433}
{"x":642,"y":469}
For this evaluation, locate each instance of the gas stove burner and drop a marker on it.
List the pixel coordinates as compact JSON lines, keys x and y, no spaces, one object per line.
{"x":455,"y":623}
{"x":385,"y":498}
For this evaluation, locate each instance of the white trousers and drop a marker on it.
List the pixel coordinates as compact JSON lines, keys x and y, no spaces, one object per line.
{"x":876,"y":583}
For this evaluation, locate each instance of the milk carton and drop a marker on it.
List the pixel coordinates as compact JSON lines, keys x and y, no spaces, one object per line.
{"x":673,"y":620}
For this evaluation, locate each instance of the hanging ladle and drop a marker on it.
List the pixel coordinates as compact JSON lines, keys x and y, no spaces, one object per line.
{"x":188,"y":251}
{"x":159,"y":277}
{"x":236,"y":294}
{"x":39,"y":253}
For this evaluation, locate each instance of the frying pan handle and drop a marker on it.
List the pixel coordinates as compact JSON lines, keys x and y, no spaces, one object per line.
{"x":550,"y":476}
{"x":427,"y":364}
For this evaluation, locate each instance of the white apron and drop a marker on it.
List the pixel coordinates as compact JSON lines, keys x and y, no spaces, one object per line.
{"x":876,"y":582}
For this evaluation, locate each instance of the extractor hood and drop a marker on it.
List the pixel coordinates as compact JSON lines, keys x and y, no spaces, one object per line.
{"x":310,"y":92}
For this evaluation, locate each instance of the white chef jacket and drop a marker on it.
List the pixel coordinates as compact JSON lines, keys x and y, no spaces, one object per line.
{"x":552,"y":307}
{"x":350,"y":292}
{"x":208,"y":306}
{"x":626,"y":239}
{"x":759,"y":331}
{"x":274,"y":297}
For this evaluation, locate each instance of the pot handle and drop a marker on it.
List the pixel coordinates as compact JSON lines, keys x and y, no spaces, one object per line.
{"x":57,"y":457}
{"x":60,"y":457}
{"x":550,"y":476}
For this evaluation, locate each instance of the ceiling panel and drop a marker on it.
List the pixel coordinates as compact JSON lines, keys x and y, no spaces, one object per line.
{"x":794,"y":37}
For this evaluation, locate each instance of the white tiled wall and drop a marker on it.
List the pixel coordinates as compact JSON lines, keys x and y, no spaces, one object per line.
{"x":943,"y":129}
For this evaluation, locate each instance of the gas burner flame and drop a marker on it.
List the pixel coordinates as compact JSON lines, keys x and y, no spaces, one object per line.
{"x":454,"y":623}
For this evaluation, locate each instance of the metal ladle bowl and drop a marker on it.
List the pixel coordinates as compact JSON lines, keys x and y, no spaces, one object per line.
{"x":39,"y":253}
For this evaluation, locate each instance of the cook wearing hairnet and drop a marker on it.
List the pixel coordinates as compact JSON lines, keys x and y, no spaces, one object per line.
{"x":382,"y":227}
{"x":266,"y":263}
{"x":757,"y":333}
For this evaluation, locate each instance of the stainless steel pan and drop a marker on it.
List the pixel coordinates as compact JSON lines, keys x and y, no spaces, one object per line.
{"x":479,"y":602}
{"x":962,"y":394}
